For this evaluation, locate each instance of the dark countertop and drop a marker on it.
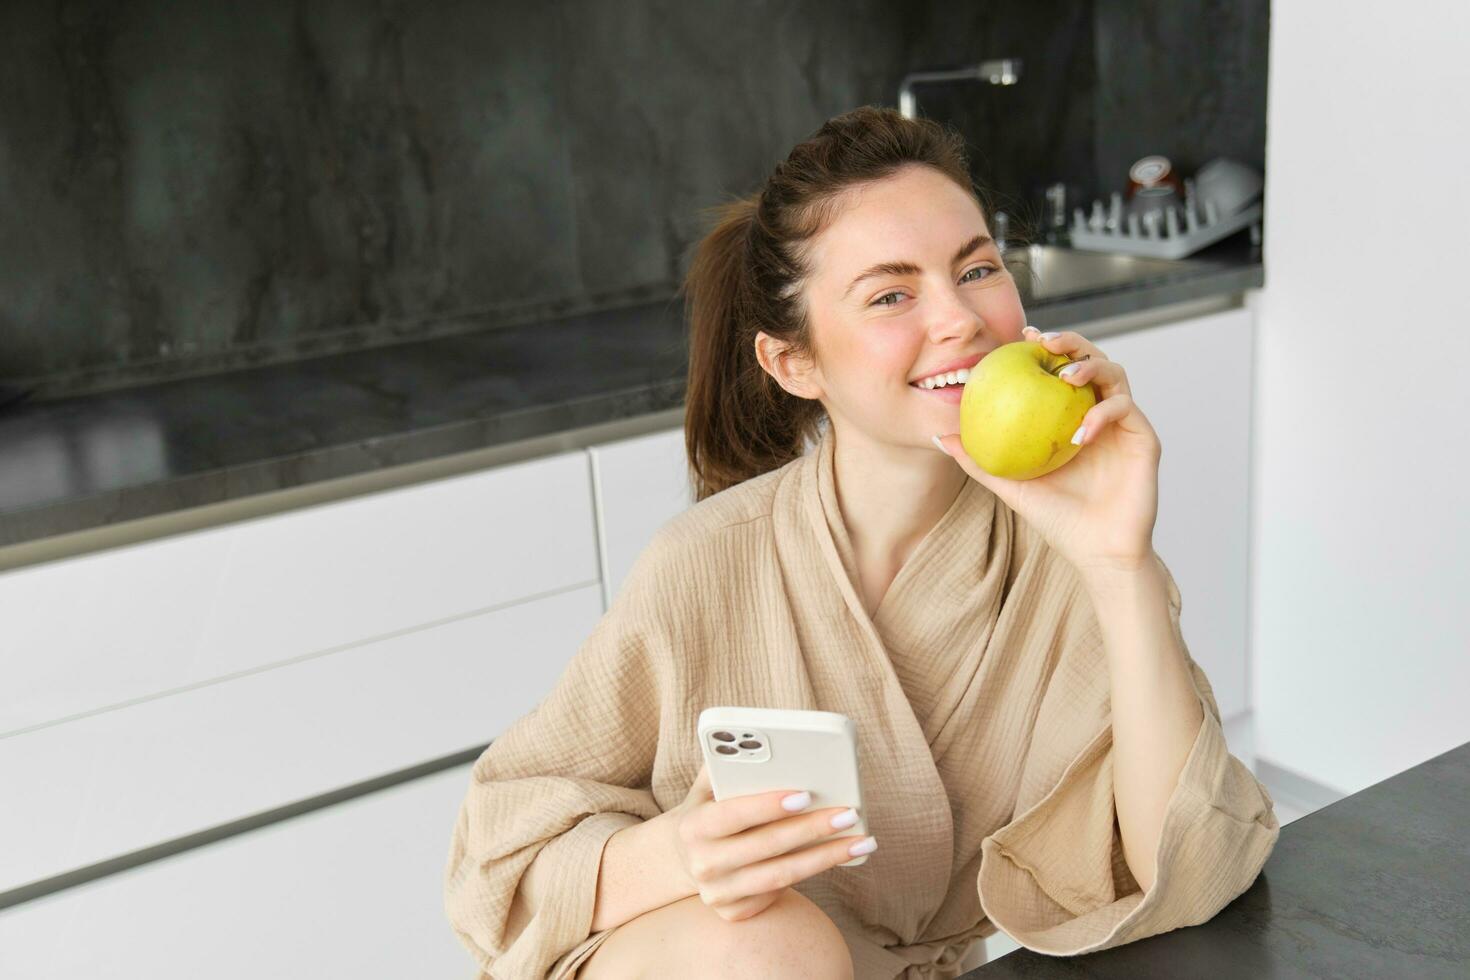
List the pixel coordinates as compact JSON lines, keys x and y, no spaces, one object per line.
{"x":84,"y":462}
{"x":1376,"y":885}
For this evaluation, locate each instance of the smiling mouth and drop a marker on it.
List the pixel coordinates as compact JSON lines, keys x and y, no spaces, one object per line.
{"x":957,"y":375}
{"x":953,"y":379}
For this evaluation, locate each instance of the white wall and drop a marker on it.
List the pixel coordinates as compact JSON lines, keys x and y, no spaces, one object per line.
{"x":1361,"y":496}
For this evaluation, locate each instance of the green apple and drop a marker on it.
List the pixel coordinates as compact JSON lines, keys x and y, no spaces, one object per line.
{"x":1016,"y":416}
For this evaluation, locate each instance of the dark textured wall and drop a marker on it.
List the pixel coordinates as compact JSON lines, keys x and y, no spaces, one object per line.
{"x":1025,"y":136}
{"x":197,"y":185}
{"x":1185,"y":78}
{"x":206,"y":185}
{"x":1103,"y":83}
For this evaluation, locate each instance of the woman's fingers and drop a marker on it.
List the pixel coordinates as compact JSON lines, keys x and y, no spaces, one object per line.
{"x":1068,"y":342}
{"x":728,"y":817}
{"x":780,"y":872}
{"x":776,"y":838}
{"x":765,"y":856}
{"x":1090,"y":366}
{"x":1104,"y":413}
{"x":1109,"y":376}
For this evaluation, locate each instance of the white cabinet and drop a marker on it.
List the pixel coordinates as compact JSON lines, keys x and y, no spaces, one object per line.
{"x":1193,"y":381}
{"x":640,"y":484}
{"x":164,"y":688}
{"x":118,"y":781}
{"x":351,"y":891}
{"x":104,"y":629}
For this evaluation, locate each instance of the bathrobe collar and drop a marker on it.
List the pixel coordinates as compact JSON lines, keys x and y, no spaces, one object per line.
{"x":933,"y":596}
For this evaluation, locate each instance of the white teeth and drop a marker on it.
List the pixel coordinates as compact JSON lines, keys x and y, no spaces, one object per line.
{"x":953,"y":377}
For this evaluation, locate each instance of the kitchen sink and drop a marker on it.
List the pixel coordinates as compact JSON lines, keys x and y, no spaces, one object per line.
{"x":1044,"y":272}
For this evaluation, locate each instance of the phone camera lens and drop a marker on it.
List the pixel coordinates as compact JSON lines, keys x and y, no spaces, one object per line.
{"x":726,"y":750}
{"x":724,"y":736}
{"x":750,"y":744}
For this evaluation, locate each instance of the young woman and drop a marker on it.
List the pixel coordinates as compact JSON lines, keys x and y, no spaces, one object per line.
{"x":1039,"y":753}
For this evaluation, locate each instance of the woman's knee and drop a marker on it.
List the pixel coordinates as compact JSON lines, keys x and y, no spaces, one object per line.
{"x":790,"y":938}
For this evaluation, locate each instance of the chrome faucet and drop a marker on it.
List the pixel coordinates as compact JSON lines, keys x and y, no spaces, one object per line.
{"x":1000,"y":71}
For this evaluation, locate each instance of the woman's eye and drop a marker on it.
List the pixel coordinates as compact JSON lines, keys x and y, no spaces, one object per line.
{"x":978,"y":268}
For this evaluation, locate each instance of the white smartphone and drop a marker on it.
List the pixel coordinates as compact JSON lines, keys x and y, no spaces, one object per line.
{"x":754,"y":750}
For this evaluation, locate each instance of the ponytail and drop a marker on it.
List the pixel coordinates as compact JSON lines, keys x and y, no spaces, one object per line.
{"x":738,"y":422}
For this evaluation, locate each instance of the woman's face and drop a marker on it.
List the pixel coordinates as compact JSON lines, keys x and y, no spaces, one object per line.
{"x":878,"y":330}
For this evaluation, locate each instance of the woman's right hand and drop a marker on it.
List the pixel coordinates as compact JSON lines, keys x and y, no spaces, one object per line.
{"x":734,"y":851}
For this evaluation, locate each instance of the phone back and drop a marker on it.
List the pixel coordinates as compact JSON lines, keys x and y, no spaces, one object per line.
{"x":754,"y":750}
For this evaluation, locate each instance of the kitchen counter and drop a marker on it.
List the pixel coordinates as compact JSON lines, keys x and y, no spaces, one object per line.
{"x":94,"y":461}
{"x":1375,"y":885}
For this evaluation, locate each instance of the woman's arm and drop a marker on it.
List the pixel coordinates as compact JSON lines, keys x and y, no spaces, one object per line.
{"x":640,"y":871}
{"x":1156,"y":711}
{"x":1064,"y":876}
{"x":520,"y":880}
{"x":1098,"y":511}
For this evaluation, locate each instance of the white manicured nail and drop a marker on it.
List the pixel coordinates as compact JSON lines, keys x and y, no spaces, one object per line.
{"x":1069,"y":370}
{"x":796,"y":801}
{"x":865,"y":846}
{"x":939,"y":445}
{"x":1050,"y":334}
{"x":1079,"y":435}
{"x":846,"y":818}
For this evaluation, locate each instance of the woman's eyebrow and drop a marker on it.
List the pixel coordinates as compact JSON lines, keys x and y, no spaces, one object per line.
{"x":910,"y":269}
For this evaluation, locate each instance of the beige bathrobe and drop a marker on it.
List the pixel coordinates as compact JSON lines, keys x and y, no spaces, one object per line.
{"x":980,"y":690}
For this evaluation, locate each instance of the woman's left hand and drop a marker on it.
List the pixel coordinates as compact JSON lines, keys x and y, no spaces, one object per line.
{"x":1098,"y":508}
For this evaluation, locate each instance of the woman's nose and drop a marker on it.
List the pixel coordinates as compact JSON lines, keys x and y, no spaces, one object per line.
{"x":957,"y":322}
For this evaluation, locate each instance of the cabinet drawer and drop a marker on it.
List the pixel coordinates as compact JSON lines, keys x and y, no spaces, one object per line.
{"x":641,"y":484}
{"x":105,"y":629}
{"x":120,"y":780}
{"x":349,"y":891}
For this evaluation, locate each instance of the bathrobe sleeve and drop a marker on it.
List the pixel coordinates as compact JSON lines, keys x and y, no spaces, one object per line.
{"x":544,"y":797}
{"x":1055,"y":879}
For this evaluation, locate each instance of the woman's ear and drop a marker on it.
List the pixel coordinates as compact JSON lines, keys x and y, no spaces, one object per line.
{"x":795,"y":374}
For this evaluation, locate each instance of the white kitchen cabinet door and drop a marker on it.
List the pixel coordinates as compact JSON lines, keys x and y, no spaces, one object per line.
{"x":1192,"y":379}
{"x":349,"y":891}
{"x":640,"y":484}
{"x":114,"y":782}
{"x":102,"y":630}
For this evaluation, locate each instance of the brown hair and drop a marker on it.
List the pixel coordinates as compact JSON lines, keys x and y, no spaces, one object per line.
{"x":747,"y":275}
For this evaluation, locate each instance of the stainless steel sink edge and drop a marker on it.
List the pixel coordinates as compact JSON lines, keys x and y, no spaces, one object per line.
{"x":1052,"y":272}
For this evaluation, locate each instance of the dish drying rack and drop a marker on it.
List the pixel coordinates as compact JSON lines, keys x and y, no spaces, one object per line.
{"x":1166,"y":232}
